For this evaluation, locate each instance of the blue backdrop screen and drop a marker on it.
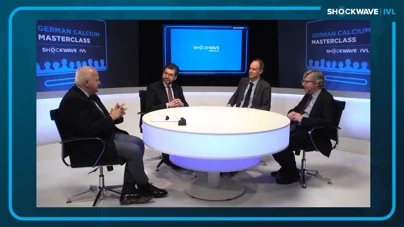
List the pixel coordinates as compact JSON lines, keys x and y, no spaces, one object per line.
{"x":64,"y":46}
{"x":341,"y":49}
{"x":206,"y":49}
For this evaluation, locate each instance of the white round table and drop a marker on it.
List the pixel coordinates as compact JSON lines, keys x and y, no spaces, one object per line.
{"x":214,"y":140}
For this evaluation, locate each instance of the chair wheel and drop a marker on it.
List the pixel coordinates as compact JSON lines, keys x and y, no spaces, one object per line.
{"x":68,"y":201}
{"x":329,"y":183}
{"x":304,"y":186}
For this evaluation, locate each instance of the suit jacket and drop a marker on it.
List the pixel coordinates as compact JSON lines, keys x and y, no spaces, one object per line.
{"x":322,"y":116}
{"x":156,"y":96}
{"x":81,"y":118}
{"x":261,"y":98}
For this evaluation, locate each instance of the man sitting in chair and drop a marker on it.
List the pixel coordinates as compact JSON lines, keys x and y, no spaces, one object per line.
{"x":84,"y":115}
{"x":316,"y":109}
{"x":165,"y":94}
{"x":252,"y":91}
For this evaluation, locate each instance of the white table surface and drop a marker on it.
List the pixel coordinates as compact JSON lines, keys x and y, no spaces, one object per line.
{"x":218,"y":120}
{"x":214,"y":132}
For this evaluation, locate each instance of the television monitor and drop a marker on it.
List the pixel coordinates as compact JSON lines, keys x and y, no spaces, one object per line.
{"x":204,"y":50}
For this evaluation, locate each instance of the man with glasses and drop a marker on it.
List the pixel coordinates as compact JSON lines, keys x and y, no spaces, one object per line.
{"x":316,"y":109}
{"x":165,"y":94}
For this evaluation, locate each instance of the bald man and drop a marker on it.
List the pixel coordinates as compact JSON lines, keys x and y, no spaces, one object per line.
{"x":253,"y":91}
{"x":84,"y":115}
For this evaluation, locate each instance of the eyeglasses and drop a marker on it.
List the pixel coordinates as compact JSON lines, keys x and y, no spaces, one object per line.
{"x":169,"y":74}
{"x":307,"y":81}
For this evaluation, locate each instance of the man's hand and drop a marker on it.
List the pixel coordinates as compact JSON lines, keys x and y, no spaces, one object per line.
{"x":118,"y":111}
{"x":298,"y":117}
{"x":175,"y":103}
{"x":171,"y":104}
{"x":291,"y":115}
{"x":115,"y":113}
{"x":121,"y":108}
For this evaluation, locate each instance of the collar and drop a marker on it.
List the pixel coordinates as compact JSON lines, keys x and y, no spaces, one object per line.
{"x":255,"y":82}
{"x":316,"y":94}
{"x":83,"y":91}
{"x":165,"y":85}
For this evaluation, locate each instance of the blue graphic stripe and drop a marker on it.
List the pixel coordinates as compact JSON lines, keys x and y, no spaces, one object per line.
{"x":393,"y":117}
{"x":346,"y":80}
{"x":59,"y":82}
{"x":167,"y":8}
{"x":10,"y":131}
{"x":75,"y":45}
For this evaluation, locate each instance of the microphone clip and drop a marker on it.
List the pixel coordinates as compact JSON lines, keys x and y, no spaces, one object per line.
{"x":182,"y":122}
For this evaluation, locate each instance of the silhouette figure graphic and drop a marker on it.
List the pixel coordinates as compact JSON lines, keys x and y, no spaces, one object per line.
{"x":61,"y":67}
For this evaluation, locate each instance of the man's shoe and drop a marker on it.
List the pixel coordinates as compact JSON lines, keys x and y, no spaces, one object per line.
{"x":127,"y":199}
{"x":151,"y":190}
{"x":276,"y":173}
{"x":287,"y":178}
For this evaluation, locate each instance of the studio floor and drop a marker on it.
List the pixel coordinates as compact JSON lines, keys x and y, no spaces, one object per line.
{"x":350,"y":174}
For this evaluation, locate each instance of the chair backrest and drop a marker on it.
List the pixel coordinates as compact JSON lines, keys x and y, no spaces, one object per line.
{"x":142,"y":96}
{"x":339,"y":107}
{"x":77,"y":151}
{"x":54,"y":115}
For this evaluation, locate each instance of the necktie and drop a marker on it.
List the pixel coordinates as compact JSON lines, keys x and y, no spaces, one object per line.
{"x":248,"y":96}
{"x":306,"y":104}
{"x":170,"y":94}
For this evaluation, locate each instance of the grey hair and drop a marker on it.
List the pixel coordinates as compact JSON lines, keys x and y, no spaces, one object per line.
{"x":83,"y":74}
{"x":318,"y":76}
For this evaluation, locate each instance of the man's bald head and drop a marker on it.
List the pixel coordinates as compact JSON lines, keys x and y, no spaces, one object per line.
{"x":87,"y":78}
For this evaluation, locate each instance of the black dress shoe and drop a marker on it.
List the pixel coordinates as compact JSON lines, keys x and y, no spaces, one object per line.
{"x":127,"y":199}
{"x":276,"y":173}
{"x":288,"y":178}
{"x":151,"y":190}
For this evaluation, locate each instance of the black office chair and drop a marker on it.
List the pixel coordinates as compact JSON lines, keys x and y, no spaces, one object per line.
{"x":339,"y":108}
{"x":87,"y":152}
{"x":142,"y":96}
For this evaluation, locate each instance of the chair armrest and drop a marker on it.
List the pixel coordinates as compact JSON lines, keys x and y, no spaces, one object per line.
{"x":336,"y":127}
{"x":94,"y":147}
{"x":81,"y":139}
{"x":311,"y":130}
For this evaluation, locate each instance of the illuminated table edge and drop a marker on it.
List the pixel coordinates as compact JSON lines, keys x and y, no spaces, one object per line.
{"x":214,"y":133}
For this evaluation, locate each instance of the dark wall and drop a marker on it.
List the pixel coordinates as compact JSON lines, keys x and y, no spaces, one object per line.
{"x":123,"y":52}
{"x":291,"y":46}
{"x":263,"y":43}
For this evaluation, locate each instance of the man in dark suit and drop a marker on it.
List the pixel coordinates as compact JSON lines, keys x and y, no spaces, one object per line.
{"x":316,"y":109}
{"x":84,"y":115}
{"x":253,"y":91}
{"x":165,"y":94}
